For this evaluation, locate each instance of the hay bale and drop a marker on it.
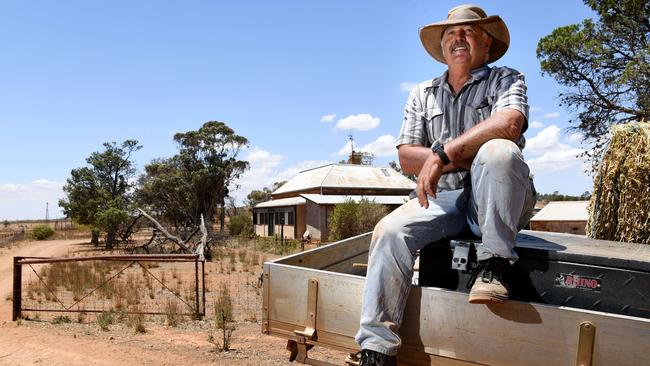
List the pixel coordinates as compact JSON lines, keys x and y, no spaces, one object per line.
{"x":620,"y":205}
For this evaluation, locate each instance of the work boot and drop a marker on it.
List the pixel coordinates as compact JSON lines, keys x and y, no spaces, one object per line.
{"x":373,"y":358}
{"x":487,"y":284}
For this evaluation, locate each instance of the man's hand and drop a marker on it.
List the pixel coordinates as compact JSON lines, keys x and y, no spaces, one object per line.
{"x":428,"y":179}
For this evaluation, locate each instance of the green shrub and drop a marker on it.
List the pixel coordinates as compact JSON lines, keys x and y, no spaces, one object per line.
{"x":241,"y":225}
{"x":61,"y":320}
{"x":105,"y":319}
{"x":42,"y":232}
{"x":350,"y":218}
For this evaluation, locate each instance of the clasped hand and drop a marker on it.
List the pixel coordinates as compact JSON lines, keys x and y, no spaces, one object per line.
{"x":428,"y":179}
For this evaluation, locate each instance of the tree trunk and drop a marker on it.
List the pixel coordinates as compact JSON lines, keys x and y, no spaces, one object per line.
{"x":110,"y":240}
{"x":94,"y":237}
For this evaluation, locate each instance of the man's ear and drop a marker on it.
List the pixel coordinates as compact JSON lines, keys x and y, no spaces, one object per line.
{"x":488,"y":42}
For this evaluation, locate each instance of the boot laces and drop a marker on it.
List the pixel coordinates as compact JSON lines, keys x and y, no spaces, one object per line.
{"x":489,"y":269}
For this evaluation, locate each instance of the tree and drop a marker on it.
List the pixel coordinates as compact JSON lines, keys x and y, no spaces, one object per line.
{"x":100,"y":194}
{"x":604,"y":65}
{"x":351,"y":218}
{"x":241,"y":225}
{"x":5,"y":223}
{"x":195,"y":181}
{"x":259,"y":196}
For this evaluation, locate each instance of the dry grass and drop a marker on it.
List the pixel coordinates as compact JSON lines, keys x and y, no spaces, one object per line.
{"x":621,"y":200}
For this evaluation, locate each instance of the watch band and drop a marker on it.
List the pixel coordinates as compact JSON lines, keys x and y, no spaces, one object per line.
{"x":439,"y":149}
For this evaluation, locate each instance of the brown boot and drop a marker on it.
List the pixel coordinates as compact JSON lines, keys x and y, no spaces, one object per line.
{"x":487,"y":284}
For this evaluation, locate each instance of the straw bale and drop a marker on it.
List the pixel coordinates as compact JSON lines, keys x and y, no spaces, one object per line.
{"x":620,"y":205}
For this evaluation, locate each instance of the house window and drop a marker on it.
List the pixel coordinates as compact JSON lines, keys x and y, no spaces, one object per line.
{"x":290,"y":219}
{"x":255,"y":218}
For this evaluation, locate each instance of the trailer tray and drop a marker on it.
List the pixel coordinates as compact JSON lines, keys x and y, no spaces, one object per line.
{"x":314,"y":299}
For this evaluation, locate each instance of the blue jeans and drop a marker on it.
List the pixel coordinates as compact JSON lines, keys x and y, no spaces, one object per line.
{"x":499,"y":203}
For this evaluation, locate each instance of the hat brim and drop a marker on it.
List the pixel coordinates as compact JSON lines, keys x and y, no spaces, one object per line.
{"x":431,"y":35}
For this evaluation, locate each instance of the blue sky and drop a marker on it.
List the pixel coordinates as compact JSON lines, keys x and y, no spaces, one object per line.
{"x":294,"y":77}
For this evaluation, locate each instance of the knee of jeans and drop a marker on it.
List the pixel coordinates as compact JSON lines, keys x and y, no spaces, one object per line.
{"x":498,"y":154}
{"x":385,"y":232}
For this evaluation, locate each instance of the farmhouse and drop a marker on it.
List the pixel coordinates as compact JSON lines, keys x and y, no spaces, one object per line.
{"x":562,"y":217}
{"x":306,"y":201}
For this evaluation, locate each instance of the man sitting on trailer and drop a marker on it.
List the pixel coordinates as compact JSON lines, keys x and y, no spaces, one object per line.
{"x":462,"y":136}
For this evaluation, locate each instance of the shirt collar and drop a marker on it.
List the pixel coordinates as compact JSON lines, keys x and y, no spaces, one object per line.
{"x":477,"y":74}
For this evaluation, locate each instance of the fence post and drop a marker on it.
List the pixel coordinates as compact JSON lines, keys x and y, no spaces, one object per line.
{"x":203,"y":284}
{"x":196,"y":287}
{"x":17,"y":294}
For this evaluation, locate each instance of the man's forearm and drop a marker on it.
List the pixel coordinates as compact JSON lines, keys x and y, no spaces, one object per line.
{"x":506,"y":124}
{"x":412,"y":158}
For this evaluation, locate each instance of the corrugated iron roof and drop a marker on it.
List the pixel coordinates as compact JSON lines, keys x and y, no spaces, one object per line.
{"x":333,"y":199}
{"x":346,"y":176}
{"x":563,"y":211}
{"x":291,"y":201}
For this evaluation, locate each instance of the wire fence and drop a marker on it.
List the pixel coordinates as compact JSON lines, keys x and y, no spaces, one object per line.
{"x":86,"y":286}
{"x":133,"y":284}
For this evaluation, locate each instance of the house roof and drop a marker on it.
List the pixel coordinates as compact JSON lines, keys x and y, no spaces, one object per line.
{"x":291,"y":201}
{"x":563,"y":211}
{"x":346,"y":176}
{"x":334,"y":199}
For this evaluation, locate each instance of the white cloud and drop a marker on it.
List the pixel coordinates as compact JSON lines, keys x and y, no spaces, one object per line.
{"x":553,"y":161}
{"x":575,"y":137}
{"x":536,"y":124}
{"x":383,"y":146}
{"x":28,"y":200}
{"x":347,"y":149}
{"x":328,"y":117}
{"x":546,"y":140}
{"x":266,"y":169}
{"x":361,"y":122}
{"x":407,"y":86}
{"x":262,"y":168}
{"x":552,"y":115}
{"x":550,"y":154}
{"x":535,"y":109}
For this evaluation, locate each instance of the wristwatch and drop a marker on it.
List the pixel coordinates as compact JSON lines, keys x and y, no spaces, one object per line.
{"x":439,"y":149}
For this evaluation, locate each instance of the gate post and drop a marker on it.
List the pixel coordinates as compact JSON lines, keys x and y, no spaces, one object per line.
{"x":197,"y":312}
{"x":17,"y":294}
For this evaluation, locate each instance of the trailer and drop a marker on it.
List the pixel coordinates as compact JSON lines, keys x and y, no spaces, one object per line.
{"x":574,"y":301}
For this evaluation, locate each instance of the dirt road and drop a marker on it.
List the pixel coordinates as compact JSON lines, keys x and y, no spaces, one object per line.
{"x":49,"y":248}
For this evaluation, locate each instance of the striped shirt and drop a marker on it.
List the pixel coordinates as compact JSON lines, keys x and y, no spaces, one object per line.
{"x":433,"y":114}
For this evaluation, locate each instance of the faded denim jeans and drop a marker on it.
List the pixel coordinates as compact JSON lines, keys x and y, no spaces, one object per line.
{"x":499,"y":203}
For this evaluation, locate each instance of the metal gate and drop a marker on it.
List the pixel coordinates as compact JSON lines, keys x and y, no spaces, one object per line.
{"x":134,"y":284}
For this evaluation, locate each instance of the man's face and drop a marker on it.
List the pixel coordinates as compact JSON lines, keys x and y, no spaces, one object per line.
{"x":465,"y":45}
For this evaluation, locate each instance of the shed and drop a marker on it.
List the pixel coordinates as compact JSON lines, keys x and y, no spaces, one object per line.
{"x":562,"y":217}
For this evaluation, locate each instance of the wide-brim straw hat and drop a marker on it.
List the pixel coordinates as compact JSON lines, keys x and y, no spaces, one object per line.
{"x":431,"y":34}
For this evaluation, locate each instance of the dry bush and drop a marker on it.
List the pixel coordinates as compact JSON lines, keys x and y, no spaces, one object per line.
{"x":135,"y":319}
{"x":172,"y":312}
{"x":223,"y":319}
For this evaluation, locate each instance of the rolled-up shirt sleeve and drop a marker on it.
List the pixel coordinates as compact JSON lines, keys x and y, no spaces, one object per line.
{"x":413,"y":127}
{"x":511,"y":94}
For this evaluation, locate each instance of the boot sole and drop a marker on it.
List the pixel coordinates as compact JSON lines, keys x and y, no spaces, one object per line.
{"x":487,"y":298}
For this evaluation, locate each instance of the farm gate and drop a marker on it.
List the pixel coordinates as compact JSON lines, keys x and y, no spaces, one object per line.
{"x":132,"y":284}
